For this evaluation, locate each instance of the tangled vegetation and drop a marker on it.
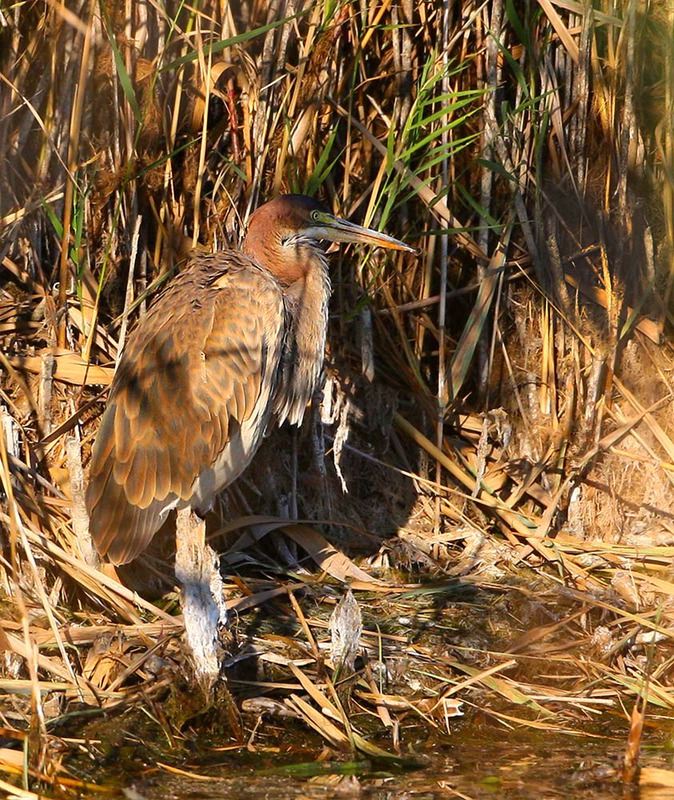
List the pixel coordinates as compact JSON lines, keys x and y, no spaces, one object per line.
{"x":490,"y":467}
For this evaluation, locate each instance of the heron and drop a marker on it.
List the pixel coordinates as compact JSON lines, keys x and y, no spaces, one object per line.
{"x":232,"y":348}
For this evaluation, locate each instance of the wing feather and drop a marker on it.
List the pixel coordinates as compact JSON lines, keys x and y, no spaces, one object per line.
{"x":190,"y":373}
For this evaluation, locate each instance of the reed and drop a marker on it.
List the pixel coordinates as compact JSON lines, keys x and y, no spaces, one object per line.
{"x":497,"y":415}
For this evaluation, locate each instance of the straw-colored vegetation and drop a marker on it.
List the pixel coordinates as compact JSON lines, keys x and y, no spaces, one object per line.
{"x":491,"y":466}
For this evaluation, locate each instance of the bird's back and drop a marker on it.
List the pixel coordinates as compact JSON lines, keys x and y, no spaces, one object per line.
{"x":190,"y":401}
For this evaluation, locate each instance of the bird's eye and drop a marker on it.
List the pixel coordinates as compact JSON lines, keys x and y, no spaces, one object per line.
{"x":315,"y":216}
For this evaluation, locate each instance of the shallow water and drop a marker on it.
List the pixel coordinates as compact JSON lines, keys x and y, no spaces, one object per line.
{"x":477,"y":763}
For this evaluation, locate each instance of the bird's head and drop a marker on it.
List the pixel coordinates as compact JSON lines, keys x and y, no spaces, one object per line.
{"x":287,"y":235}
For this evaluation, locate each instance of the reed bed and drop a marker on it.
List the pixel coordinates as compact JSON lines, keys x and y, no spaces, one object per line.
{"x":490,"y":466}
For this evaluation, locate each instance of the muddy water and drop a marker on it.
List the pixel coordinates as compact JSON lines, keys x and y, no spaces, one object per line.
{"x":476,"y":761}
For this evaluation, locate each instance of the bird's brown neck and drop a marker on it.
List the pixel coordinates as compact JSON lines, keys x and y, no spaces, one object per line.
{"x":287,"y":262}
{"x":299,"y":263}
{"x":306,"y":300}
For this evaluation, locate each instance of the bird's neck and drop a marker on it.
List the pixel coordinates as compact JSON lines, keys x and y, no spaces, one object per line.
{"x":307,"y":296}
{"x":289,"y":258}
{"x":301,"y":268}
{"x":286,"y":264}
{"x":307,"y":307}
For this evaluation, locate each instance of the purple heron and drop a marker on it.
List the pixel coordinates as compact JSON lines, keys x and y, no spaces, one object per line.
{"x":234,"y":346}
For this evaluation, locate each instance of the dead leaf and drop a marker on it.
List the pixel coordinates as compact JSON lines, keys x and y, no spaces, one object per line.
{"x":69,"y":367}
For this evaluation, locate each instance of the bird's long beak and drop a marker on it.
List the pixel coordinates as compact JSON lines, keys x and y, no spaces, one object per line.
{"x":334,"y":229}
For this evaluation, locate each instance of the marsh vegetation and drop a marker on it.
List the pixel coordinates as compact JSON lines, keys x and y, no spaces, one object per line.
{"x":490,"y":465}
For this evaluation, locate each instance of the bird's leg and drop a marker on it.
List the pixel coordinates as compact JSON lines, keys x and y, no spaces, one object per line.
{"x":204,"y":609}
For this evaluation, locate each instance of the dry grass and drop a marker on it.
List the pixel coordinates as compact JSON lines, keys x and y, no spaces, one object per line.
{"x":499,"y":408}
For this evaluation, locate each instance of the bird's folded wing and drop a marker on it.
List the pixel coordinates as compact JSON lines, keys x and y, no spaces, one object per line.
{"x":196,"y":368}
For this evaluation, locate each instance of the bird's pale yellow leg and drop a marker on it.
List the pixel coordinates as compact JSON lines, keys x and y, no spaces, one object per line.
{"x":203,"y":604}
